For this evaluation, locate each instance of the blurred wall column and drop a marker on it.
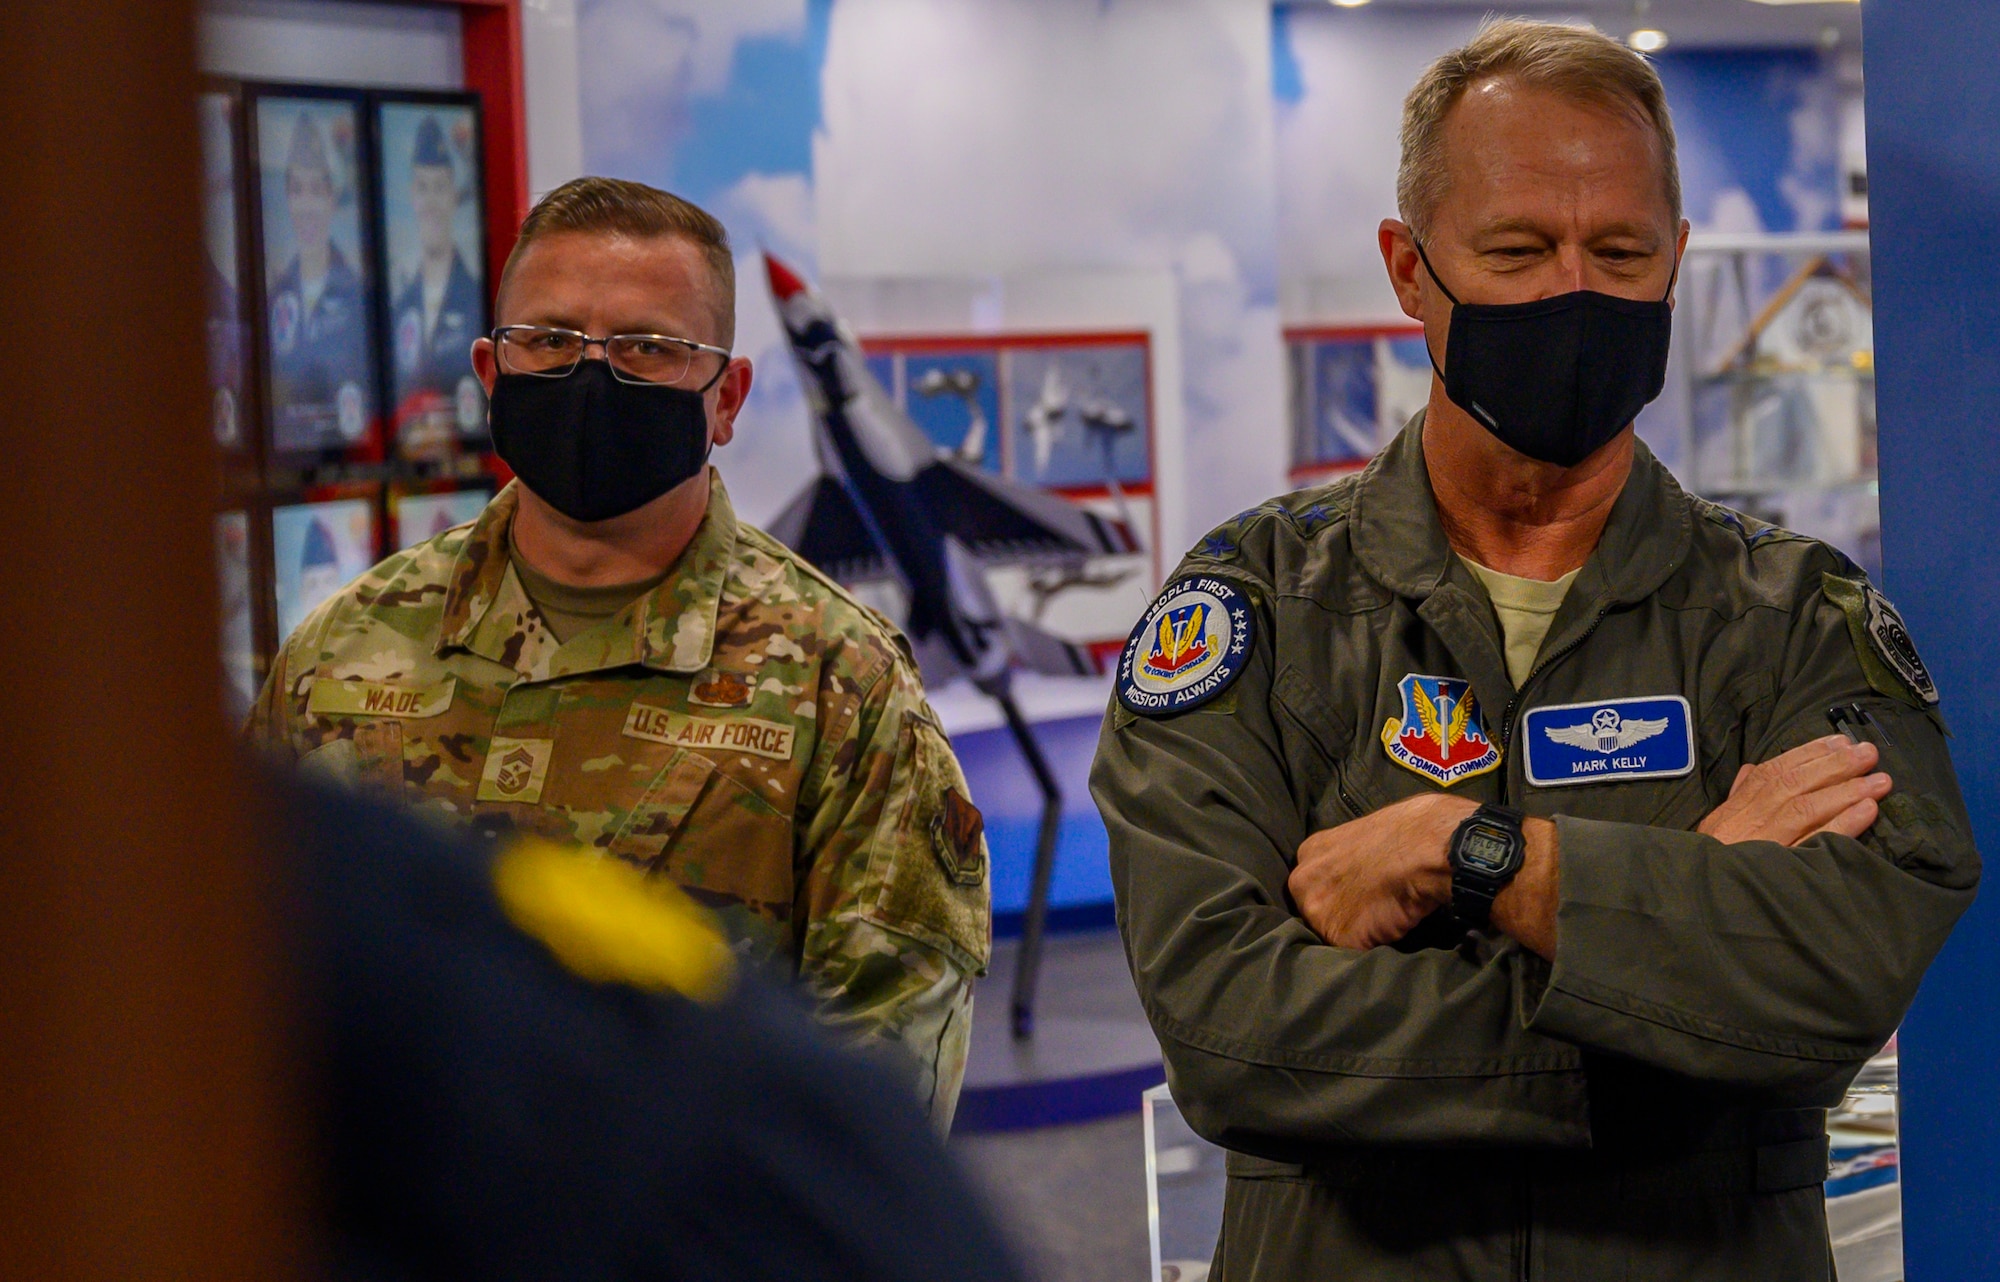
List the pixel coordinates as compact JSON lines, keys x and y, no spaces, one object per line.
{"x":1934,"y":179}
{"x":141,"y":1090}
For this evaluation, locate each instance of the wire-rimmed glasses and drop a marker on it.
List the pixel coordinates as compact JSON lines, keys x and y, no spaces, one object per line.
{"x":547,"y":351}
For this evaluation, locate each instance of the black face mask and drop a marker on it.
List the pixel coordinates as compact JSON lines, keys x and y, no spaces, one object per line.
{"x":1556,"y":378}
{"x":592,"y":446}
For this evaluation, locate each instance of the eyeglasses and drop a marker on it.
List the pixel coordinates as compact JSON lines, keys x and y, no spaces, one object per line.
{"x":548,"y":352}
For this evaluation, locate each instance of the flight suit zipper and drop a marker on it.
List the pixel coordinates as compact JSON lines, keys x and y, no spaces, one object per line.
{"x":1507,"y":717}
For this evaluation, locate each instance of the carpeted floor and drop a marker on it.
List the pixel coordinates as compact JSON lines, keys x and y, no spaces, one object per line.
{"x":1073,"y":1198}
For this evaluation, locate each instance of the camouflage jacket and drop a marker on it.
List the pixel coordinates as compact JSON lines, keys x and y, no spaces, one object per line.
{"x":746,"y":729}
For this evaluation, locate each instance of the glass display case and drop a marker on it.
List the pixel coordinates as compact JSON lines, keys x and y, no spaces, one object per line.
{"x":1770,"y":406}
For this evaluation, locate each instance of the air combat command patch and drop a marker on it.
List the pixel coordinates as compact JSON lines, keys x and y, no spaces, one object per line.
{"x":1440,"y":735}
{"x":1191,"y":645}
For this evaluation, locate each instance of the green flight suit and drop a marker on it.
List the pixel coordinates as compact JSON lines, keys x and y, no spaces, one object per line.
{"x":1650,"y":1104}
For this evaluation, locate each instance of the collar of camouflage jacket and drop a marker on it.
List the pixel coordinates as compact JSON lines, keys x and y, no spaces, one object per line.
{"x":671,"y":628}
{"x":1401,"y":544}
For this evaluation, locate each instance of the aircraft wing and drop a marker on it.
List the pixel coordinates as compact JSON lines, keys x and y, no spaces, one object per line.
{"x":823,"y":526}
{"x":1001,"y":521}
{"x":1038,"y":651}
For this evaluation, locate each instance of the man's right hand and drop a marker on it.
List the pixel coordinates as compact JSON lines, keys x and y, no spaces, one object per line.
{"x":1822,"y":786}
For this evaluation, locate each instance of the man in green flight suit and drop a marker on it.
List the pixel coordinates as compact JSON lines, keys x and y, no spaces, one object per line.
{"x":608,"y":657}
{"x":1484,"y":860}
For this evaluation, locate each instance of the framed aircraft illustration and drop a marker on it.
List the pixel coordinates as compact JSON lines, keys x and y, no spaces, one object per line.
{"x":1351,"y":389}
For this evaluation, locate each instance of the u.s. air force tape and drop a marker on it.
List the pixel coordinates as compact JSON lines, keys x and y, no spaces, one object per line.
{"x":1191,"y":645}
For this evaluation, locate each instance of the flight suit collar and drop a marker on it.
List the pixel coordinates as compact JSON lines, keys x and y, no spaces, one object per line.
{"x":671,"y":628}
{"x":1400,"y":543}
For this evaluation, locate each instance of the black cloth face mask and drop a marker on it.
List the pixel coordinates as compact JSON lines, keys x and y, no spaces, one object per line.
{"x":1556,"y":378}
{"x":593,"y":446}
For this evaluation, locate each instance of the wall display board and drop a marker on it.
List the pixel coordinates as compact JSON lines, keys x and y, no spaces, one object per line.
{"x":319,"y":547}
{"x":415,"y":516}
{"x":348,"y":274}
{"x":431,"y":210}
{"x":1070,"y":413}
{"x":1351,"y":389}
{"x":317,"y":271}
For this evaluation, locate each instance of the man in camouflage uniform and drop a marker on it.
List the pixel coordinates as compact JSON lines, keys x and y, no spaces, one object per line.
{"x":735,"y":722}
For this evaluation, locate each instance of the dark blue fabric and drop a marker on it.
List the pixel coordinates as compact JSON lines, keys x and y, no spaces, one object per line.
{"x":487,"y":1114}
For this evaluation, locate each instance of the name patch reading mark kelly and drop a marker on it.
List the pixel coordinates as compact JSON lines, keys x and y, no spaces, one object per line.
{"x":1615,"y":741}
{"x":335,"y":698}
{"x":714,"y":734}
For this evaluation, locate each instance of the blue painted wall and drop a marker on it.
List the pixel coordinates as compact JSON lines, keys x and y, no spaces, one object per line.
{"x":1934,"y":171}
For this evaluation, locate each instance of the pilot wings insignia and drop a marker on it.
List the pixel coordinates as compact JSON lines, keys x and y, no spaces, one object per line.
{"x":1605,"y":732}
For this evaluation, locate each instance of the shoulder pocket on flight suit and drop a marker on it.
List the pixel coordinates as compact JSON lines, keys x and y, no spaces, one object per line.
{"x":662,"y":810}
{"x":930,"y":866}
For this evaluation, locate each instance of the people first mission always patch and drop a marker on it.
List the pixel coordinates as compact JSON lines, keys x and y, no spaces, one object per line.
{"x":1192,"y":644}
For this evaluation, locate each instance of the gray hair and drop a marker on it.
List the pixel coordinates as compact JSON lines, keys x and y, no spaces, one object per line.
{"x":1576,"y":62}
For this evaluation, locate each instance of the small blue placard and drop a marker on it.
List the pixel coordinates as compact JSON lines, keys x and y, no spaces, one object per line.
{"x":1613,"y":741}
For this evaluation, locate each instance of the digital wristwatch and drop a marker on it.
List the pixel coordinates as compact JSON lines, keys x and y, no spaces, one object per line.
{"x":1486,"y":851}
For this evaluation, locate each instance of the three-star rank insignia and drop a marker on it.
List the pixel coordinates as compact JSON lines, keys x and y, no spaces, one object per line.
{"x":1191,"y":645}
{"x":1440,"y":734}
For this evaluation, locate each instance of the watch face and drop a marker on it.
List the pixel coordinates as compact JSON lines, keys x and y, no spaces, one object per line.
{"x":1486,"y":849}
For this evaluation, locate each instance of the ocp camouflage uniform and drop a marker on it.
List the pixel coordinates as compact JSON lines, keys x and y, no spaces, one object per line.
{"x":747,"y":729}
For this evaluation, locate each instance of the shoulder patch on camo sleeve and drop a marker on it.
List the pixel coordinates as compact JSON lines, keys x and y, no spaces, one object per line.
{"x":1190,"y":646}
{"x":1882,"y":640}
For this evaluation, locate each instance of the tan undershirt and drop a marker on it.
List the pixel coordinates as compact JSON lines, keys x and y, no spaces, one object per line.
{"x":569,"y":610}
{"x":1526,"y":608}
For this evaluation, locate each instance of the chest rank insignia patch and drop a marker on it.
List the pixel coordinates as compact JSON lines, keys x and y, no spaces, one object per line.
{"x":1616,"y":741}
{"x":718,"y":689}
{"x":1191,"y":645}
{"x":1440,"y":735}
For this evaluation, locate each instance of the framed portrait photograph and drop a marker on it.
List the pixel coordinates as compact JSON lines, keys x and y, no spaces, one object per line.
{"x":415,"y":517}
{"x":317,"y":549}
{"x":318,"y":275}
{"x":431,"y":203}
{"x":218,"y":111}
{"x":235,"y":587}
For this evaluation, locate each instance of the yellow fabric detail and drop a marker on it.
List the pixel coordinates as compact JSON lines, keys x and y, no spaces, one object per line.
{"x":610,"y":923}
{"x":1526,"y":608}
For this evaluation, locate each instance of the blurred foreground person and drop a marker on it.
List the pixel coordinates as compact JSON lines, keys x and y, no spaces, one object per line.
{"x":607,"y":656}
{"x":535,"y":1063}
{"x":1483,"y":858}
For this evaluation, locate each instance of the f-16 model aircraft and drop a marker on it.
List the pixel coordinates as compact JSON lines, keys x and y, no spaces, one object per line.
{"x":891,"y":506}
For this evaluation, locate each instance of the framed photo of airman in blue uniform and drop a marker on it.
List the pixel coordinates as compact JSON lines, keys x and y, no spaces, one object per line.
{"x":433,"y":219}
{"x":420,"y":514}
{"x":319,"y":546}
{"x":318,"y":274}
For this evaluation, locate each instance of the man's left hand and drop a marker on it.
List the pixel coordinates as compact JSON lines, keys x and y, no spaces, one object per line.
{"x":1370,"y":881}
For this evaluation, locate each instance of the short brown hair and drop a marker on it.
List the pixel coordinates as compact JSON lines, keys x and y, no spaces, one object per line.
{"x":619,"y":207}
{"x":1574,"y":61}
